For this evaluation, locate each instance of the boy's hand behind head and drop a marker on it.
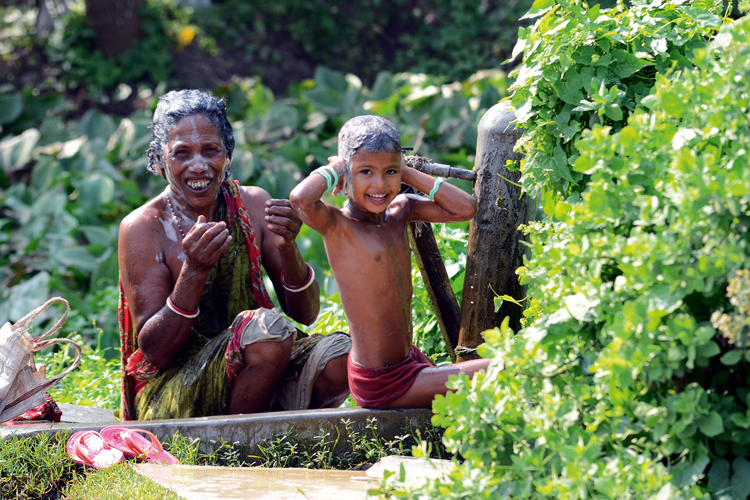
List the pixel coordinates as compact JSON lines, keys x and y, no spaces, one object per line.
{"x":339,"y":165}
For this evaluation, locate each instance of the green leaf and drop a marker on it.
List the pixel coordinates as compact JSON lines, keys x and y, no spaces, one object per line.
{"x":711,"y":425}
{"x":326,"y":100}
{"x":731,"y":358}
{"x":96,"y":190}
{"x":740,"y":478}
{"x":26,"y":296}
{"x":663,"y":298}
{"x":15,"y":152}
{"x":498,"y":303}
{"x":672,"y":104}
{"x":327,"y":79}
{"x":709,"y":350}
{"x":95,"y":124}
{"x":383,"y":87}
{"x":76,"y":258}
{"x":718,"y":476}
{"x":581,"y":307}
{"x":11,"y":107}
{"x":688,"y":473}
{"x":538,"y":8}
{"x":613,"y":111}
{"x":625,"y":64}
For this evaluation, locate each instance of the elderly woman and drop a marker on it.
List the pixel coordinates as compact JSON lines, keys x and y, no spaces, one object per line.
{"x":199,"y":333}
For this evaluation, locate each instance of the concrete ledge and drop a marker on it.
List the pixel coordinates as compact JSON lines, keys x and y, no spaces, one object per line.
{"x":252,"y":430}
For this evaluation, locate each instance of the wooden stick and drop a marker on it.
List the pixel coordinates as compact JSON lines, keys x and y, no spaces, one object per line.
{"x":436,"y":282}
{"x":439,"y":169}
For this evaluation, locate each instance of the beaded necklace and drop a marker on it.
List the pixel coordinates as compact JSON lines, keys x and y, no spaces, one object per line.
{"x":174,"y":215}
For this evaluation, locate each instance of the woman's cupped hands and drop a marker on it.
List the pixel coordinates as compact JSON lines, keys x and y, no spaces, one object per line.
{"x":205,"y":243}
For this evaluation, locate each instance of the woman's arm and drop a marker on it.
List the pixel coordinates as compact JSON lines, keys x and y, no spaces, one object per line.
{"x":277,"y":225}
{"x":148,"y":280}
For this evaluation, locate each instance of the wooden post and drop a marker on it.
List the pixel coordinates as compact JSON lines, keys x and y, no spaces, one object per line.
{"x":495,"y":250}
{"x":437,"y":283}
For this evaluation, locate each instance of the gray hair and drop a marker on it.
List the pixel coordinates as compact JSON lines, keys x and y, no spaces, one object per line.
{"x":178,"y":104}
{"x":369,"y":133}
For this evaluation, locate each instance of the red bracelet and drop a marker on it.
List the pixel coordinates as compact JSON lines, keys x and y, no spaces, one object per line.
{"x":303,"y":286}
{"x":180,"y":312}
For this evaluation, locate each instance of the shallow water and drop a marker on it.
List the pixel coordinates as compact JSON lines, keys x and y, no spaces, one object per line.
{"x":197,"y":483}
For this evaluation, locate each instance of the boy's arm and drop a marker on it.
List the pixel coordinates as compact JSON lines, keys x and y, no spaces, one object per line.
{"x":450,"y":204}
{"x":306,"y":198}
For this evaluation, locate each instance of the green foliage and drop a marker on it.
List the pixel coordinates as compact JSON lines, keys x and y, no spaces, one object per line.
{"x":188,"y":452}
{"x":285,"y":449}
{"x":164,"y":23}
{"x":96,"y":382}
{"x":622,"y":388}
{"x":584,"y":66}
{"x":441,"y":37}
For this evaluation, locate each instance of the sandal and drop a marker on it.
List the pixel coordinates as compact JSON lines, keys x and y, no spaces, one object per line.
{"x":90,"y":448}
{"x":133,"y":445}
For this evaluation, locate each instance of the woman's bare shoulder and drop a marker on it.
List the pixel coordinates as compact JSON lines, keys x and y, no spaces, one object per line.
{"x":145,"y":226}
{"x":254,"y":195}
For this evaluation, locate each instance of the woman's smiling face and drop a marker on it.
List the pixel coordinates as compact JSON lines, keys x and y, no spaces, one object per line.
{"x":195,"y":161}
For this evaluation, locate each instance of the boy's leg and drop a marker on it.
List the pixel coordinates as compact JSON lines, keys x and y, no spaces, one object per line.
{"x":431,"y":381}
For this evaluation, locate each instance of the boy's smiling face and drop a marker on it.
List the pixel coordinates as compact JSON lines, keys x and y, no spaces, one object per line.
{"x":376,"y":179}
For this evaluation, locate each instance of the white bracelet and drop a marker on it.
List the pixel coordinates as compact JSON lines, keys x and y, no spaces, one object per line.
{"x":179,"y":311}
{"x":303,"y":286}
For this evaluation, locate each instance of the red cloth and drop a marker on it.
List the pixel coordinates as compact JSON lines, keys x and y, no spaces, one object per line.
{"x":379,"y":387}
{"x":47,"y":411}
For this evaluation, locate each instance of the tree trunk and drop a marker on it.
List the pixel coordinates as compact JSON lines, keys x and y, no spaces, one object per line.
{"x":116,"y":24}
{"x":495,"y":244}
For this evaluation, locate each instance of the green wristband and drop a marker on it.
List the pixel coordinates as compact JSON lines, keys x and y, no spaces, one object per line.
{"x":326,"y":175}
{"x":435,"y":188}
{"x":334,"y":175}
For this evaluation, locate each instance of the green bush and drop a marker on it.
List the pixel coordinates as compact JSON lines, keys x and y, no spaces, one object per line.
{"x":439,"y":37}
{"x":633,"y":381}
{"x":149,"y":58}
{"x":585,"y":66}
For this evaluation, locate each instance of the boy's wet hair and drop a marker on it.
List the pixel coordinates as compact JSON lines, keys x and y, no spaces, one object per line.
{"x":178,"y":104}
{"x":369,"y":133}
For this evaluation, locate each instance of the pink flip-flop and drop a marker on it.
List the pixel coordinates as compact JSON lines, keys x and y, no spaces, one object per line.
{"x":133,"y":445}
{"x":90,"y":448}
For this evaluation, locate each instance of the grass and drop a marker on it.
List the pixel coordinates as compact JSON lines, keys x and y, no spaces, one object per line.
{"x":119,"y":482}
{"x":38,"y":467}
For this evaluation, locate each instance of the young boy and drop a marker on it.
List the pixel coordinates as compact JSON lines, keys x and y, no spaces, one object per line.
{"x":368,"y":249}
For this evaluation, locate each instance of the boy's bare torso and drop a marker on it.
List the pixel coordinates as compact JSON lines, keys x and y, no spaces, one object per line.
{"x":368,"y":248}
{"x":371,"y":261}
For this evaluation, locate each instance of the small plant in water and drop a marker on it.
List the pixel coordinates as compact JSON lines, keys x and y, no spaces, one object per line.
{"x":187,"y":450}
{"x":285,"y":449}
